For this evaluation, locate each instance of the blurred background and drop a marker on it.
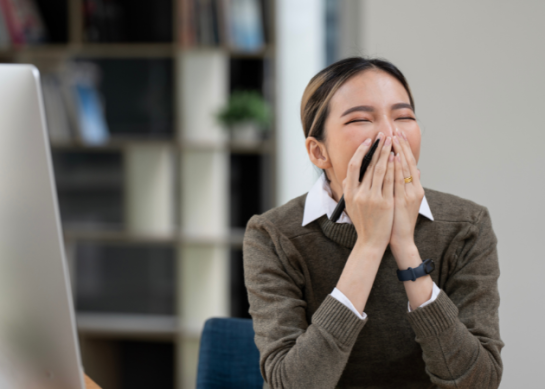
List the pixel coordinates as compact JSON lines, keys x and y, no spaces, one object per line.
{"x":172,"y":122}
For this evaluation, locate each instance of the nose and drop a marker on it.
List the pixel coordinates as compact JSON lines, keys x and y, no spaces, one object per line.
{"x":388,"y":127}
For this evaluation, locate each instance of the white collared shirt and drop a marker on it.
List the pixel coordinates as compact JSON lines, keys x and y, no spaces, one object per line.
{"x":320,"y":202}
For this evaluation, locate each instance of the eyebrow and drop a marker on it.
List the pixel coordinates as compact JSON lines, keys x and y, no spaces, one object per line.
{"x":367,"y":108}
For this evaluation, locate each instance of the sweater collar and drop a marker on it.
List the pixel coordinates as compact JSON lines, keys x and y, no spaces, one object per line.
{"x":342,"y":233}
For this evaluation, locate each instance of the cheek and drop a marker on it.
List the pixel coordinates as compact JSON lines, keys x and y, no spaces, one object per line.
{"x":414,"y":142}
{"x":416,"y":152}
{"x":342,"y":149}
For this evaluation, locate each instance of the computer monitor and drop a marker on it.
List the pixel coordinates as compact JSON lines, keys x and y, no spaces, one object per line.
{"x":38,"y":338}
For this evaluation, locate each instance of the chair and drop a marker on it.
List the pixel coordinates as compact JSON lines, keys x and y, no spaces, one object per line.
{"x":228,"y":356}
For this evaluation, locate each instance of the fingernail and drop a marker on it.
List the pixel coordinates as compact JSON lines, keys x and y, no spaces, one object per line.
{"x":380,"y":135}
{"x":404,"y":136}
{"x":396,"y":140}
{"x":388,"y":141}
{"x":391,"y":156}
{"x":367,"y":142}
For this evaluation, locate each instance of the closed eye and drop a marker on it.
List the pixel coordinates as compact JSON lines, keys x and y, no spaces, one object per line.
{"x":358,"y":120}
{"x":406,"y":118}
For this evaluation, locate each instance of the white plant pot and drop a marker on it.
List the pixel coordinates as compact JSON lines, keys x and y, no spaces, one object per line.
{"x":247,"y":132}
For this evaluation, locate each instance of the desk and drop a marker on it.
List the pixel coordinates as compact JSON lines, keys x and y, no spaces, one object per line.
{"x":90,"y":384}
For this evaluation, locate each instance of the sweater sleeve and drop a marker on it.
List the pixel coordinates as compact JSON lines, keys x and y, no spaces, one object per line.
{"x":459,"y":331}
{"x":293,"y":352}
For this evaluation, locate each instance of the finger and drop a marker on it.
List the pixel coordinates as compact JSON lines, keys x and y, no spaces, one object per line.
{"x":382,"y":166}
{"x":399,"y":181}
{"x":388,"y":187}
{"x":401,"y":151}
{"x":368,"y":177}
{"x":353,"y":172}
{"x":409,"y":157}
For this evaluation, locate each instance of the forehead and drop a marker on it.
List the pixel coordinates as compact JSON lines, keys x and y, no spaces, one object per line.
{"x":370,"y":87}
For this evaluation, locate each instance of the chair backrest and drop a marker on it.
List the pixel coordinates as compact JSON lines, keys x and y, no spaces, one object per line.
{"x":228,"y":356}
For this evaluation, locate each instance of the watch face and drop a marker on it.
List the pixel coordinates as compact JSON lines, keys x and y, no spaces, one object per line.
{"x":430,"y":266}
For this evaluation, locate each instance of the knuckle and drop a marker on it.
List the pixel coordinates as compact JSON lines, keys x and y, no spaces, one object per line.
{"x":384,"y":205}
{"x":359,"y":199}
{"x":374,"y":201}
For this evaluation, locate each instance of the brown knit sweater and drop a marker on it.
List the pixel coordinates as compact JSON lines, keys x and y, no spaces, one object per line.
{"x":308,"y":339}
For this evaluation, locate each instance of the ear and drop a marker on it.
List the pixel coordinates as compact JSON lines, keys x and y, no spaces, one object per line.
{"x":317,"y":153}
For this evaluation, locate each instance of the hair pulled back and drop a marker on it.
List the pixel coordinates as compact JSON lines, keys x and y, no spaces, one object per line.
{"x":322,"y":87}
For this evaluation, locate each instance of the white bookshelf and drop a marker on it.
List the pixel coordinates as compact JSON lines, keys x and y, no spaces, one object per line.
{"x":176,"y":193}
{"x":149,"y":189}
{"x":128,"y":325}
{"x":203,"y":270}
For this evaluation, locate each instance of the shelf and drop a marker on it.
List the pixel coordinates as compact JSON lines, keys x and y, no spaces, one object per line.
{"x":127,"y":325}
{"x":238,"y":147}
{"x":117,"y":236}
{"x":124,"y":50}
{"x":267,"y":52}
{"x":136,"y":326}
{"x":48,"y":50}
{"x":241,"y":147}
{"x":114,"y":50}
{"x":152,"y":50}
{"x":234,"y":239}
{"x":115,"y":144}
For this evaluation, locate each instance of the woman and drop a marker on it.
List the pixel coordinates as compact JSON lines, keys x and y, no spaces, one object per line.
{"x":328,"y":307}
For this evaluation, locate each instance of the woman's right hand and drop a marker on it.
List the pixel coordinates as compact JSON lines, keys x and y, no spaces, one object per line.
{"x":370,"y":204}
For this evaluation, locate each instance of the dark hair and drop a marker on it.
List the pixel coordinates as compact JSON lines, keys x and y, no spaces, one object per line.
{"x":322,"y":87}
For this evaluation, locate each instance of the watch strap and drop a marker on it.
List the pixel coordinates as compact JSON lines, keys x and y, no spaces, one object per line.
{"x":411,"y":274}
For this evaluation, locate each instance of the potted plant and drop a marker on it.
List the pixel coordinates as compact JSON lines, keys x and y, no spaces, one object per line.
{"x":246,"y":116}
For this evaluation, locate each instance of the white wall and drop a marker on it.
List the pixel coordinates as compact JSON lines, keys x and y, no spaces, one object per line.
{"x":477,"y":70}
{"x":300,"y":54}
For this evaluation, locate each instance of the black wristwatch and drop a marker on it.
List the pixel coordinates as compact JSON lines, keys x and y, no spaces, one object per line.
{"x":411,"y":274}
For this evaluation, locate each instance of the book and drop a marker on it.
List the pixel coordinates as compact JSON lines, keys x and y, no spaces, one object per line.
{"x":24,"y":22}
{"x":87,"y":107}
{"x":103,"y":21}
{"x":237,"y":24}
{"x":187,"y":21}
{"x":5,"y":40}
{"x":32,"y":25}
{"x":12,"y":22}
{"x":94,"y":130}
{"x":246,"y":25}
{"x":58,"y":124}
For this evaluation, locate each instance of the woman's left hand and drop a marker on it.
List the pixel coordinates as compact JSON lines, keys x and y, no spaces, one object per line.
{"x":407,"y":196}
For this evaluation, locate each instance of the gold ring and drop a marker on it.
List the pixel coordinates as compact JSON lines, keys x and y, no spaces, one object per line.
{"x":408,"y":179}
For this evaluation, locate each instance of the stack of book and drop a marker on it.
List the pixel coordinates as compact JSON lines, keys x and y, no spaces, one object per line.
{"x":237,"y":24}
{"x":20,"y":23}
{"x":135,"y":21}
{"x":94,"y":100}
{"x":73,"y":106}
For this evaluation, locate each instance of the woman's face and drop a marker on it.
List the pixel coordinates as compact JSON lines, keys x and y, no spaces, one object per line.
{"x":367,"y":104}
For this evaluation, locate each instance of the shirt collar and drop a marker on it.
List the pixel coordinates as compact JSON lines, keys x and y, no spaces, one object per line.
{"x":319,"y":202}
